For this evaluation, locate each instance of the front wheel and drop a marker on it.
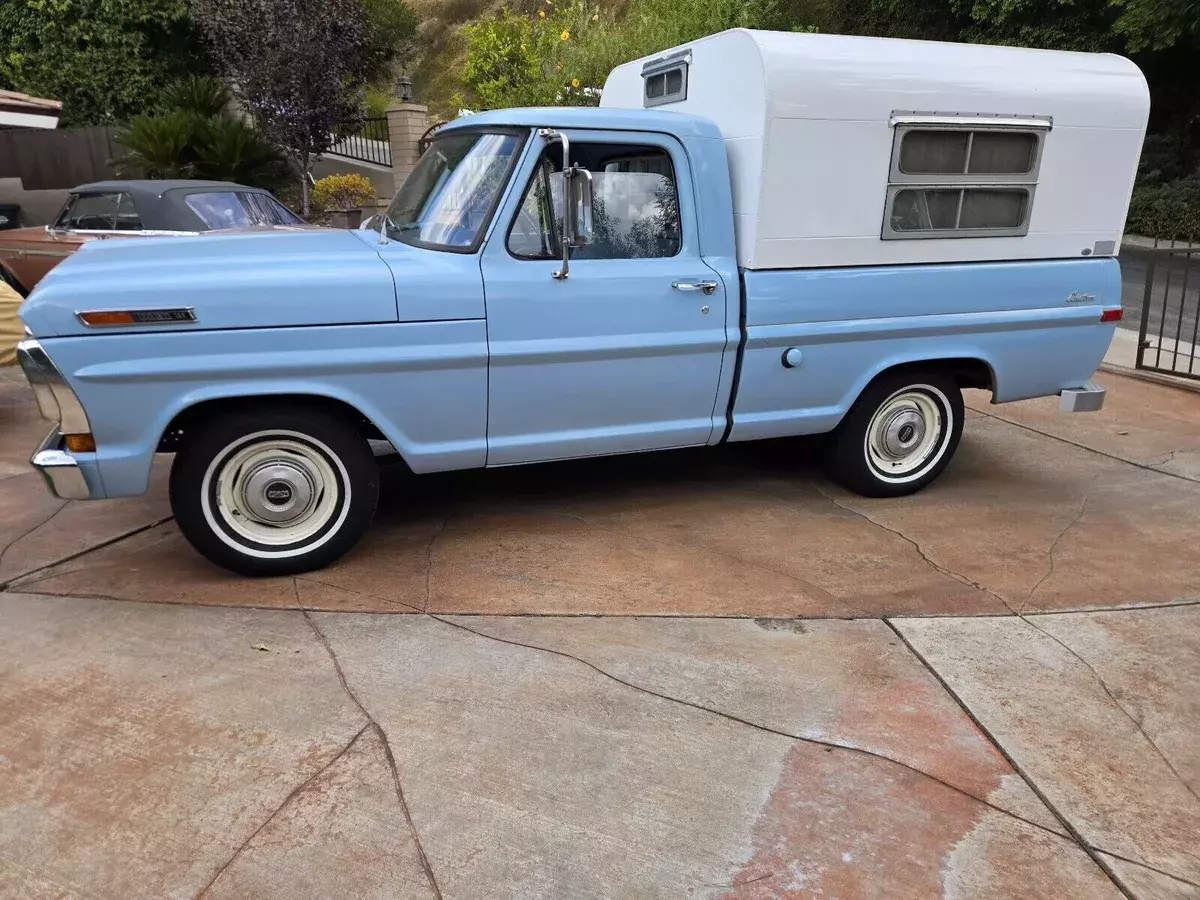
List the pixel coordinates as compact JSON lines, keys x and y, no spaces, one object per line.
{"x":274,"y":493}
{"x":899,"y":435}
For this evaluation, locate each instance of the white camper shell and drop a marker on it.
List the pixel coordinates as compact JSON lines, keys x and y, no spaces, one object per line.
{"x":852,"y":151}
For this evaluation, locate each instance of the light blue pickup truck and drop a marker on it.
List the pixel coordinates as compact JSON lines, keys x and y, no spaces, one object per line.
{"x":547,"y":284}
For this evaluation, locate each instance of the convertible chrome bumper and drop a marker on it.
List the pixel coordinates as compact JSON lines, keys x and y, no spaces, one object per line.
{"x":1089,"y":398}
{"x":58,"y":403}
{"x":59,"y":469}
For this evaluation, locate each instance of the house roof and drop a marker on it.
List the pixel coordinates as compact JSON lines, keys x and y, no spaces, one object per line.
{"x":18,"y":102}
{"x":22,"y":110}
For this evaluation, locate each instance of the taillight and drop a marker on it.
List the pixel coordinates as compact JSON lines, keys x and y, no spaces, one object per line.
{"x":1112,"y":315}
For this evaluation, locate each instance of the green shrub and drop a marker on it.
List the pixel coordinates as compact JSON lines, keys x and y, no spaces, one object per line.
{"x":348,"y":191}
{"x":197,"y":139}
{"x":562,"y":54}
{"x":199,"y":94}
{"x":1166,"y":210}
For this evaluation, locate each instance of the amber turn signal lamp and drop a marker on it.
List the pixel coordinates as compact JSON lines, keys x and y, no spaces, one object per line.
{"x":80,"y":443}
{"x":1112,"y":315}
{"x":107,"y":317}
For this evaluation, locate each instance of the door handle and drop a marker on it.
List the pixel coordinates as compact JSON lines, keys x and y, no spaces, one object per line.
{"x":707,"y":287}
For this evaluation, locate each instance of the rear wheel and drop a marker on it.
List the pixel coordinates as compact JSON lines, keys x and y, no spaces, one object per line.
{"x":274,"y":493}
{"x":899,"y":435}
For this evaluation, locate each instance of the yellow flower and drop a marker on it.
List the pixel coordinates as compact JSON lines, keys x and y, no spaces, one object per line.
{"x":566,"y":35}
{"x":596,"y":17}
{"x":575,"y":83}
{"x":541,"y":14}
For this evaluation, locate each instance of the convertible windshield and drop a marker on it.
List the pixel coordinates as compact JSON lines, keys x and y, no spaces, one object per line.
{"x":448,"y":198}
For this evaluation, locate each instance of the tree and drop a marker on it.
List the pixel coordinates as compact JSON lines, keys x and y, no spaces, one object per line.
{"x":107,"y":60}
{"x":298,"y":66}
{"x":391,"y":29}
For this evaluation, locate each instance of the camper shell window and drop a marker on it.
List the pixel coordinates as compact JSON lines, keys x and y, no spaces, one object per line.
{"x":962,"y":176}
{"x":665,"y":80}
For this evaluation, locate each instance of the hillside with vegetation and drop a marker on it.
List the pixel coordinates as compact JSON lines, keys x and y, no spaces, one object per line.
{"x":112,"y":61}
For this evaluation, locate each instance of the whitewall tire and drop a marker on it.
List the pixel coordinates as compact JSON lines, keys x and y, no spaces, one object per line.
{"x":899,"y":435}
{"x":274,"y":493}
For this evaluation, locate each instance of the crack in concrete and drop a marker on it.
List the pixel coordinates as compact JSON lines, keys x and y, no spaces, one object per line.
{"x":730,"y":886}
{"x":1087,"y":495}
{"x":1117,"y":703}
{"x":44,"y":572}
{"x":819,"y":742}
{"x":1111,"y":456}
{"x":937,"y":567}
{"x":1020,"y":614}
{"x":1134,"y":862}
{"x":725,"y":553}
{"x":295,"y":792}
{"x":1170,"y":457}
{"x":429,"y":559}
{"x":831,"y":745}
{"x":387,"y":747}
{"x":1086,"y":846}
{"x":27,"y":532}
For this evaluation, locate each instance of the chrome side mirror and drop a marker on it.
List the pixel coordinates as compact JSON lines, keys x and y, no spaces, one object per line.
{"x":577,"y":218}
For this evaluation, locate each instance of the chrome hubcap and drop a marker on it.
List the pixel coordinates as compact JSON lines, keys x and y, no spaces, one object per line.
{"x":902,"y":430}
{"x":277,"y":491}
{"x":908,"y":433}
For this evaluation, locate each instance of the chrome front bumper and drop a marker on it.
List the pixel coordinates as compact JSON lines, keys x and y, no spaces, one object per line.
{"x":58,"y":403}
{"x":1089,"y":398}
{"x":59,"y":469}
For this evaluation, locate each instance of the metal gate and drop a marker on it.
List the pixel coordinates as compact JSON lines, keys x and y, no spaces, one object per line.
{"x":1170,"y":321}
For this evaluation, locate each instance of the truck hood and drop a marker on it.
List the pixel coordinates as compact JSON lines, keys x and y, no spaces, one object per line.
{"x":244,"y":280}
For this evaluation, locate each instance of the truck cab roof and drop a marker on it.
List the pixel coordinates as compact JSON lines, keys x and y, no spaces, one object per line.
{"x":600,"y":118}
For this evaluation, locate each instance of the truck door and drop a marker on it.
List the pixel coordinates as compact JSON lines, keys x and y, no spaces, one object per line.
{"x":625,"y":353}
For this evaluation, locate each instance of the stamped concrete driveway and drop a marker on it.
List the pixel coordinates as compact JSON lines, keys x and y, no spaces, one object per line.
{"x":692,"y":675}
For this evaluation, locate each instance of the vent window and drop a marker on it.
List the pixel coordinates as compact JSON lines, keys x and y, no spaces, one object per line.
{"x":666,"y":79}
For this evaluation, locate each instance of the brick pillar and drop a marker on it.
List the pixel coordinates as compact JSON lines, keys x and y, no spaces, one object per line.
{"x":407,"y":121}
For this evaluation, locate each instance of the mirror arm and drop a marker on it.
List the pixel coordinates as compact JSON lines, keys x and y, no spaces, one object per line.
{"x":568,"y":227}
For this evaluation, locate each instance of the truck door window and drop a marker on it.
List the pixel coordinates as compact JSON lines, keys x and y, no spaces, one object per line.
{"x":635,"y":212}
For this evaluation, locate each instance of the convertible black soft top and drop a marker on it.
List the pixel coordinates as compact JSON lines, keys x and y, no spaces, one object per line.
{"x":160,"y":203}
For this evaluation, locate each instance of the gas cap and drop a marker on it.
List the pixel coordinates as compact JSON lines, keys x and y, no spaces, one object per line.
{"x":792,"y":357}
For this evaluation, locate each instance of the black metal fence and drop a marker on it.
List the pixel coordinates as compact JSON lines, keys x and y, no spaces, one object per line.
{"x":1169,"y":328}
{"x":367,"y":144}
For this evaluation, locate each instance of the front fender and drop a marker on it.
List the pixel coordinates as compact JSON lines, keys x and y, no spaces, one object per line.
{"x":423,"y":384}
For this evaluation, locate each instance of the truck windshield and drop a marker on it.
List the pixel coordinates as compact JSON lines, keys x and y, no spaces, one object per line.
{"x":446,"y":202}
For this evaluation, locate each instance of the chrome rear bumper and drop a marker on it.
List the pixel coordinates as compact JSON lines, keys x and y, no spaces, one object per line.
{"x":1089,"y":398}
{"x":59,"y":469}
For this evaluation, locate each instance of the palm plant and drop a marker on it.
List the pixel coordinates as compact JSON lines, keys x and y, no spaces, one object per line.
{"x":228,"y":149}
{"x":198,"y":138}
{"x":200,"y":94}
{"x":158,"y":146}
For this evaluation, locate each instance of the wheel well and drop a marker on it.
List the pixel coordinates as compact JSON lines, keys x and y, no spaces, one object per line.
{"x":195,"y":416}
{"x":968,"y":372}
